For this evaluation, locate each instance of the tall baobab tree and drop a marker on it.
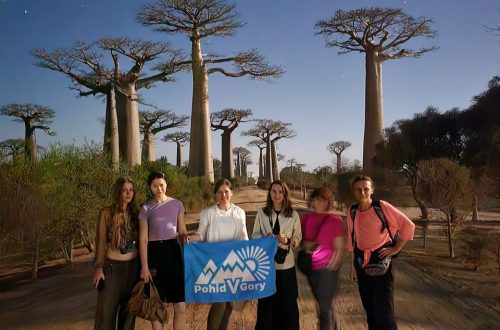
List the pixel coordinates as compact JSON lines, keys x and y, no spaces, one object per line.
{"x":83,"y":65}
{"x":35,"y":117}
{"x":198,"y":20}
{"x":261,"y":145}
{"x":338,"y":148}
{"x":228,"y":120}
{"x":180,"y":138}
{"x":154,"y":122}
{"x":379,"y":33}
{"x":269,"y":132}
{"x":283,"y":131}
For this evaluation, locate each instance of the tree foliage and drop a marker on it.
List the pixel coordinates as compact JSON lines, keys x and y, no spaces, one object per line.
{"x":444,"y":184}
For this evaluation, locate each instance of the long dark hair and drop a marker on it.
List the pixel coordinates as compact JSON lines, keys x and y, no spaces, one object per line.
{"x":287,"y":202}
{"x":122,"y":225}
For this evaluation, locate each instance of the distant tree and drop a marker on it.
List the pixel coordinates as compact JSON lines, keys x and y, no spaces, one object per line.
{"x":324,"y":174}
{"x":228,"y":120}
{"x":444,"y":183}
{"x":270,"y":131}
{"x":379,"y":33}
{"x":154,"y":122}
{"x":83,"y":64}
{"x":261,"y":145}
{"x":244,"y":159}
{"x":338,"y":148}
{"x":35,"y":117}
{"x":198,"y":20}
{"x":180,"y":138}
{"x":13,"y":147}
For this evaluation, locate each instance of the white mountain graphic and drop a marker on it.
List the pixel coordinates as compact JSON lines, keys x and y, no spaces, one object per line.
{"x":233,"y":268}
{"x":208,"y":273}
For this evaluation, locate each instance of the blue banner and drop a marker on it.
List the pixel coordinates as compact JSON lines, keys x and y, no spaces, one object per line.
{"x":229,"y":271}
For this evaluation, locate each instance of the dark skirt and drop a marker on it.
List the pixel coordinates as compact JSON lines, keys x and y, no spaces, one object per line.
{"x":166,"y":266}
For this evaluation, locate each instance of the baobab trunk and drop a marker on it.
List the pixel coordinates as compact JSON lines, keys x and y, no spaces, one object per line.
{"x":261,"y":165}
{"x":200,"y":151}
{"x":275,"y":167}
{"x":373,"y":109}
{"x":227,"y":151}
{"x":268,"y":169}
{"x":179,"y":154}
{"x":149,"y":146}
{"x":128,"y":125}
{"x":111,"y":139}
{"x":29,"y":141}
{"x":339,"y":163}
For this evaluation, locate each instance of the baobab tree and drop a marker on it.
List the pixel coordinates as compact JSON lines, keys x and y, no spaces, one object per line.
{"x":282,"y":132}
{"x":242,"y":160}
{"x":228,"y":120}
{"x":261,"y":145}
{"x":13,"y":148}
{"x":379,"y":33}
{"x":338,"y":148}
{"x":154,"y":122}
{"x":180,"y":138}
{"x":35,"y":117}
{"x":83,"y":64}
{"x":198,"y":20}
{"x":269,"y":132}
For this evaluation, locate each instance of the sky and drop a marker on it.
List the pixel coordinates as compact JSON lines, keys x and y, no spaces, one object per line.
{"x":321,"y":93}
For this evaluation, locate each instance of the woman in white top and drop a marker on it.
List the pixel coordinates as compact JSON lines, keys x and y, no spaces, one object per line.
{"x":221,"y":222}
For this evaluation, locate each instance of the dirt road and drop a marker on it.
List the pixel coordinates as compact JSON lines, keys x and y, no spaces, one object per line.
{"x":64,"y":299}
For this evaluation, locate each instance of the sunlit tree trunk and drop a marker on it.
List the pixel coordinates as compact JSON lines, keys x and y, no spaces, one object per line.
{"x":268,"y":169}
{"x":200,"y":151}
{"x":227,"y":164}
{"x":30,"y":149}
{"x":275,"y":165}
{"x":149,"y":146}
{"x":373,"y":109}
{"x":128,"y":125}
{"x":261,"y":164}
{"x":111,"y":139}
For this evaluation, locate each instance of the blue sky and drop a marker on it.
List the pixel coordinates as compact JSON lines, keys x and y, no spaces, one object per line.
{"x":321,"y":94}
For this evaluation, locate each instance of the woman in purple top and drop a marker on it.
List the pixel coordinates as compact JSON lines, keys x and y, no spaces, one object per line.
{"x":323,"y":234}
{"x":160,"y":220}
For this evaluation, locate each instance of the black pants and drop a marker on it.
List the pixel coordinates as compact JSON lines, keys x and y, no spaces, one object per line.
{"x":280,"y":311}
{"x":377,"y":296}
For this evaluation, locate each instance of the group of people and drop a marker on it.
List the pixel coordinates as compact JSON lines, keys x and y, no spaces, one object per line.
{"x":157,"y":230}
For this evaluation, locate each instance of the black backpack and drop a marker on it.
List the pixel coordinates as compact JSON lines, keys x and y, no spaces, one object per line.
{"x":378,"y":210}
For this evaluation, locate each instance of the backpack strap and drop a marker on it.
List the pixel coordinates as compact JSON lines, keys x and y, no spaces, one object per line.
{"x":380,"y":214}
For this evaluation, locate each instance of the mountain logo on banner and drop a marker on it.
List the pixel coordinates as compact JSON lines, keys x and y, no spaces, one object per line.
{"x":245,"y":269}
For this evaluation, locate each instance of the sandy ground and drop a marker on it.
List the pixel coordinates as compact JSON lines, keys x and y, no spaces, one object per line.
{"x":431,"y":292}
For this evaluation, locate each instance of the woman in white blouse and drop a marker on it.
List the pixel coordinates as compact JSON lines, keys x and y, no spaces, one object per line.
{"x":221,"y":222}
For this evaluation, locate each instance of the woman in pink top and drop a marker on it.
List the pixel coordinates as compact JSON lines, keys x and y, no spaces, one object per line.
{"x":367,"y":240}
{"x":323,"y":234}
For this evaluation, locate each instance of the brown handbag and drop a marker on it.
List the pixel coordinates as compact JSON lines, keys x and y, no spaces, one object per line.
{"x":149,"y":307}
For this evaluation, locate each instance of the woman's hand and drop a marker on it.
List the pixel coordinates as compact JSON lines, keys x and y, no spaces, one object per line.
{"x":145,"y":275}
{"x":282,"y":239}
{"x":98,"y":275}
